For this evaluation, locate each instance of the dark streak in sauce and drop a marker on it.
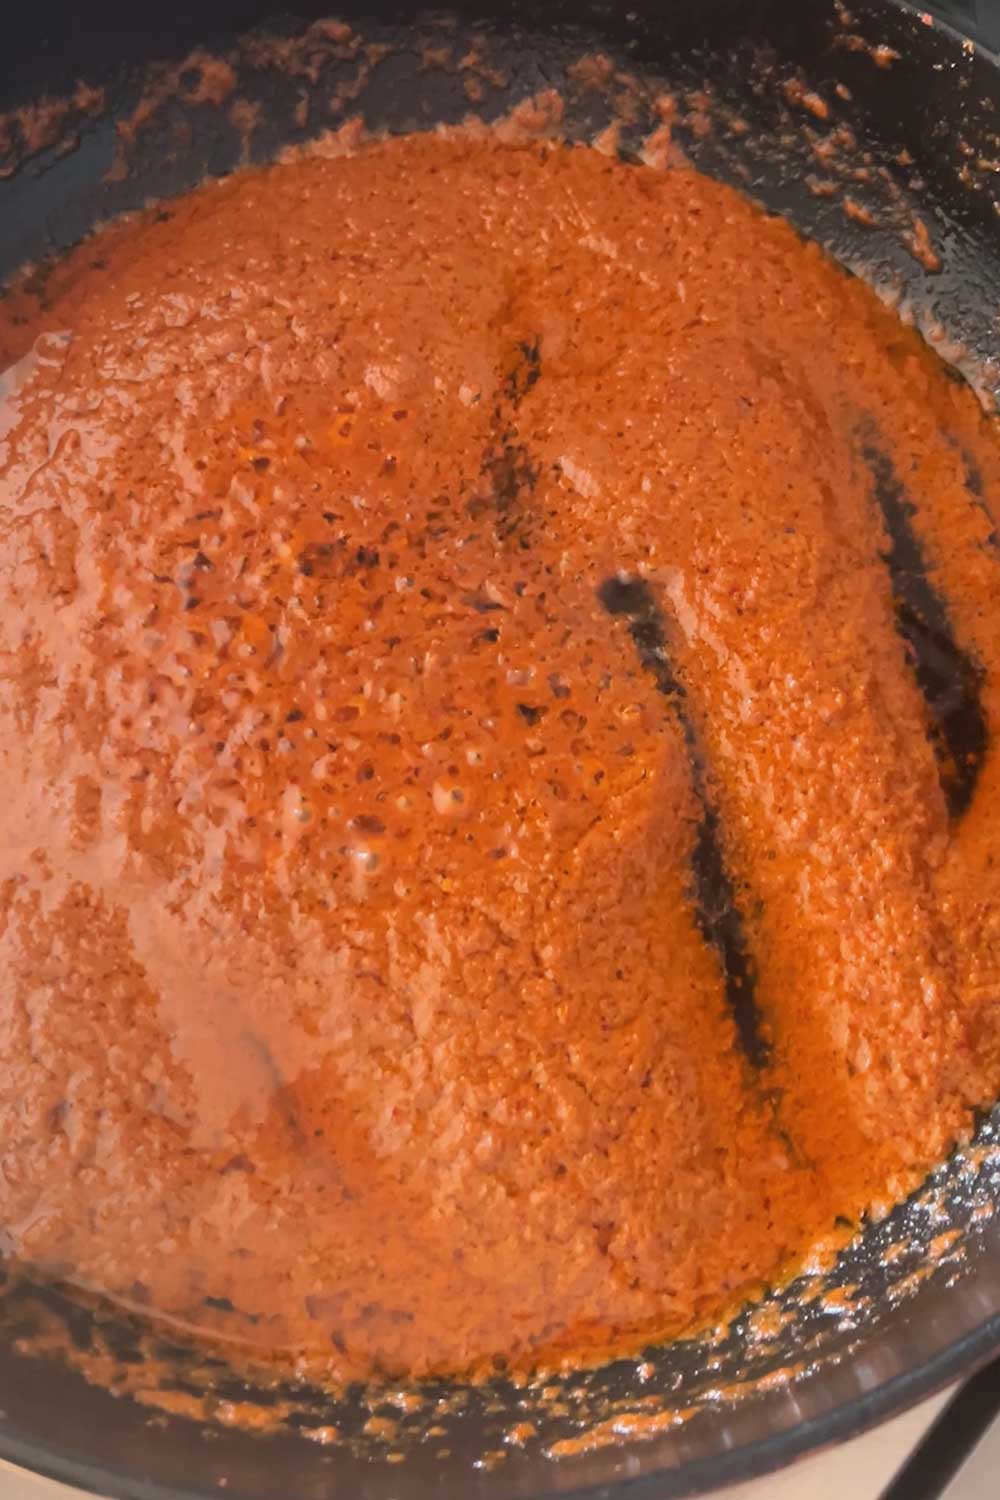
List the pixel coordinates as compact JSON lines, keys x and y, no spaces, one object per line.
{"x":716,"y":910}
{"x":949,"y":678}
{"x":974,"y":485}
{"x":526,"y":370}
{"x":507,"y":466}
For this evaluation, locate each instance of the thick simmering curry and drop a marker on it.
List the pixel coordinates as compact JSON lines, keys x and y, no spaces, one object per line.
{"x":499,"y":678}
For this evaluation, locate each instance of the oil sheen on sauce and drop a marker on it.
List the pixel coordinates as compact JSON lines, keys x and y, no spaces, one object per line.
{"x":498,"y":654}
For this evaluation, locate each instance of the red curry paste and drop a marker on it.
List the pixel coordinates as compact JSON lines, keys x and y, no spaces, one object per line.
{"x":489,"y":871}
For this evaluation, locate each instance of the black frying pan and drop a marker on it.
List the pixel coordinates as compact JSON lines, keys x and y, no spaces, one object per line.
{"x":876,"y":1333}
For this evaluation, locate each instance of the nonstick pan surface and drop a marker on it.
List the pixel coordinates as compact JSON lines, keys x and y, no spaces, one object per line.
{"x":839,"y":1349}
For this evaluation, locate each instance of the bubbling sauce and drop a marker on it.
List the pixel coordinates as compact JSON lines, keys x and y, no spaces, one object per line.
{"x":499,"y":657}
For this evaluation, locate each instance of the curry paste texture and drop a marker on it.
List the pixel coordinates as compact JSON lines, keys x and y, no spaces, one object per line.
{"x":499,"y":663}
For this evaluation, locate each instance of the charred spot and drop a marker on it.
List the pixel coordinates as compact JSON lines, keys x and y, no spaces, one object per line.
{"x":319,"y":559}
{"x":510,"y":472}
{"x":625,"y":596}
{"x":526,"y":370}
{"x":530,"y":713}
{"x":633,"y":599}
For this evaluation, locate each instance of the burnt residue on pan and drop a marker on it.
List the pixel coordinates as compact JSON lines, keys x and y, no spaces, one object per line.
{"x":833,"y":1312}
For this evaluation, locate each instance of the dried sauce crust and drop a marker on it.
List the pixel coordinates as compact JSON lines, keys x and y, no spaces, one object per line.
{"x":483,"y":878}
